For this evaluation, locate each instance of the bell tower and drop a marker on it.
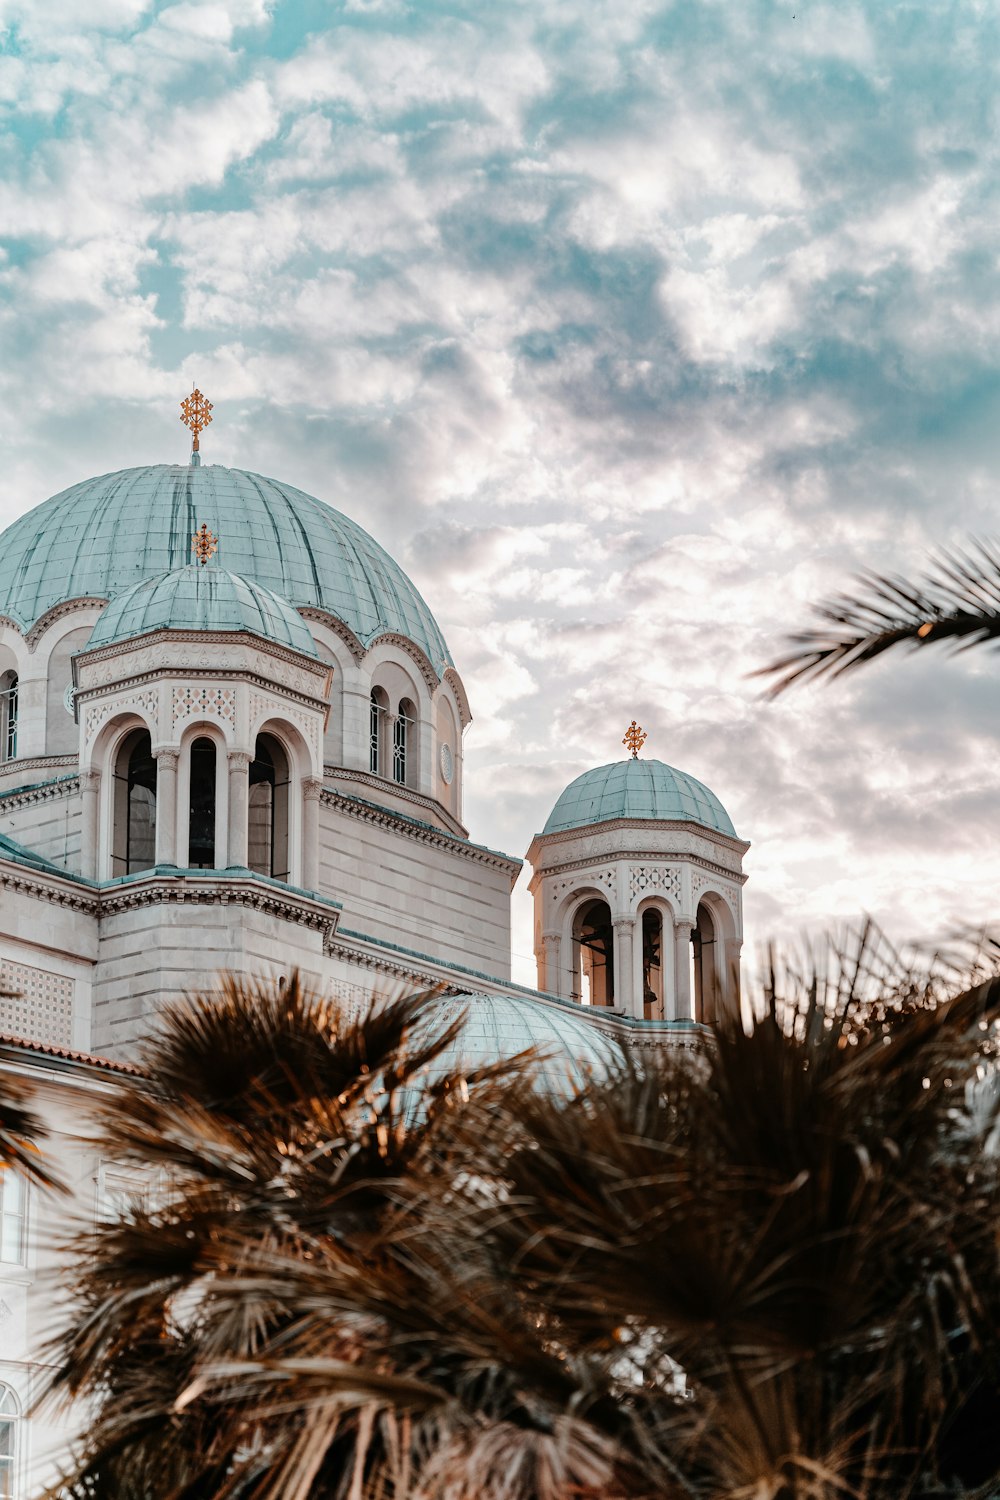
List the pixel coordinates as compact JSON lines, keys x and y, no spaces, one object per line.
{"x":637,"y":883}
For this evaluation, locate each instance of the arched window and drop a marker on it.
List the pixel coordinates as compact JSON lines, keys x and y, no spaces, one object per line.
{"x":201,"y":818}
{"x":376,"y":732}
{"x":134,"y":841}
{"x":8,"y":716}
{"x":268,"y":809}
{"x":403,"y":728}
{"x":706,"y":958}
{"x":13,"y":1213}
{"x":652,"y":965}
{"x":10,"y":1420}
{"x":594,"y":935}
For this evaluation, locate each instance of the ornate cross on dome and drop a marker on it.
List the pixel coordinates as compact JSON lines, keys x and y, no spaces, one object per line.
{"x":203,"y":544}
{"x":634,"y":739}
{"x":196,"y":413}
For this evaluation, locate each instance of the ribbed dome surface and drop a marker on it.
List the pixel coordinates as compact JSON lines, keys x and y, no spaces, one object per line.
{"x":102,"y":536}
{"x":637,"y":789}
{"x":201,"y":598}
{"x":500,"y":1026}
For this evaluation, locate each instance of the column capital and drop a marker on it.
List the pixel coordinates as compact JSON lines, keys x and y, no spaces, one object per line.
{"x":167,"y":758}
{"x":312,"y":787}
{"x":619,"y":922}
{"x":90,"y":781}
{"x":239,"y":760}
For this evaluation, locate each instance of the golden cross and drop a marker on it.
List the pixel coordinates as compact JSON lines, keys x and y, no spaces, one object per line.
{"x":635,"y":738}
{"x":196,"y":413}
{"x":204,"y":544}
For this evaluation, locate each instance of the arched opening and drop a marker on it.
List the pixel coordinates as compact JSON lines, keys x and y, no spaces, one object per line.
{"x":133,"y":845}
{"x":593,"y":938}
{"x":10,"y":1418}
{"x":377,"y":720}
{"x":403,"y":742}
{"x":202,"y":806}
{"x":8,"y":716}
{"x":652,"y":965}
{"x":268,"y":841}
{"x":705,"y":955}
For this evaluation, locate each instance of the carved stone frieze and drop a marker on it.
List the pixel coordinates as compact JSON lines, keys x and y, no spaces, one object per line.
{"x":643,"y":878}
{"x":382,"y":817}
{"x":145,"y":701}
{"x":66,"y":786}
{"x":203,"y":698}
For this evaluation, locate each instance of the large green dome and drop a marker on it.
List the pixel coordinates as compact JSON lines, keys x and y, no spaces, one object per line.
{"x":637,"y":789}
{"x":201,"y":598}
{"x":102,"y":536}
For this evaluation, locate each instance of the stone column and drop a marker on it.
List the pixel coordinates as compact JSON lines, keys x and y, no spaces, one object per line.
{"x":683,"y":1010}
{"x":166,"y":806}
{"x":624,"y":998}
{"x":548,"y":956}
{"x":312,"y":787}
{"x":239,"y":805}
{"x":90,"y":788}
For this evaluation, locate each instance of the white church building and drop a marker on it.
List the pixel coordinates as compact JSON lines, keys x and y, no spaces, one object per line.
{"x":231,"y":738}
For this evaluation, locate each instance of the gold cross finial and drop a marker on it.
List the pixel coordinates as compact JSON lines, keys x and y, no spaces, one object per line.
{"x":634,"y":739}
{"x":196,"y":413}
{"x":204,"y":544}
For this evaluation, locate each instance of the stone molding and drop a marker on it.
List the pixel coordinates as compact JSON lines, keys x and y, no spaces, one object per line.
{"x":156,"y":648}
{"x":27,"y":796}
{"x":380,"y":783}
{"x":617,"y":839}
{"x":67,"y":607}
{"x":21,"y":881}
{"x":161,"y":890}
{"x":378,"y":963}
{"x":323,"y":617}
{"x":43,"y":762}
{"x":453,"y":680}
{"x":413,"y":651}
{"x":382,"y":817}
{"x":640,"y":859}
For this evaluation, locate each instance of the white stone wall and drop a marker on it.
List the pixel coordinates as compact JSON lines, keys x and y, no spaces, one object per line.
{"x":46,"y":819}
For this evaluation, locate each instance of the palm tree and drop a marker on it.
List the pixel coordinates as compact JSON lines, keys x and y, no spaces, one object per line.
{"x":956,"y":602}
{"x":21,"y":1130}
{"x":768,"y":1269}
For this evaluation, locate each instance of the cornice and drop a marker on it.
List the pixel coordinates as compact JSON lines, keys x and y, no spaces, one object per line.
{"x":21,"y":880}
{"x":380,"y":783}
{"x":638,"y":856}
{"x":379,"y":963}
{"x":182,"y":890}
{"x":45,"y":791}
{"x":423,"y":833}
{"x":101,"y":691}
{"x":29,"y":762}
{"x":671,"y":825}
{"x":162,"y":636}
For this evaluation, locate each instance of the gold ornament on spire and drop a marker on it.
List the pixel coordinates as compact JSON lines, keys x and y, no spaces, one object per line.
{"x":203,"y":544}
{"x":196,"y":413}
{"x":634,"y":739}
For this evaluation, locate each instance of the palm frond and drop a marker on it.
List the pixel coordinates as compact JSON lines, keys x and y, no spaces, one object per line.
{"x":956,"y":603}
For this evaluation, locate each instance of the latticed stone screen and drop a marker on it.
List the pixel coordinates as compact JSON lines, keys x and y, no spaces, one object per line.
{"x":35,"y":1004}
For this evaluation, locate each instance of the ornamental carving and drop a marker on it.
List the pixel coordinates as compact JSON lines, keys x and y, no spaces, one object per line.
{"x":307,"y":724}
{"x":643,"y":878}
{"x":197,"y":698}
{"x":606,"y":878}
{"x":99,"y":713}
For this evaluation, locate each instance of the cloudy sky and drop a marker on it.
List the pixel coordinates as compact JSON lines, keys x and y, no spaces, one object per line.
{"x":629,"y":326}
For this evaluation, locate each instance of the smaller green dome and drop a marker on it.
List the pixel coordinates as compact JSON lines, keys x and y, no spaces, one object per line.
{"x":569,"y":1047}
{"x":201,"y":598}
{"x":637,"y":789}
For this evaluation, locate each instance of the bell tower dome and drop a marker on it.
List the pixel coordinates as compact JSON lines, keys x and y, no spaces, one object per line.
{"x":637,"y":883}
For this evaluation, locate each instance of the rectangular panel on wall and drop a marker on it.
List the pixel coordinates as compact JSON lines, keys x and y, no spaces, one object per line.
{"x":35,"y":1004}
